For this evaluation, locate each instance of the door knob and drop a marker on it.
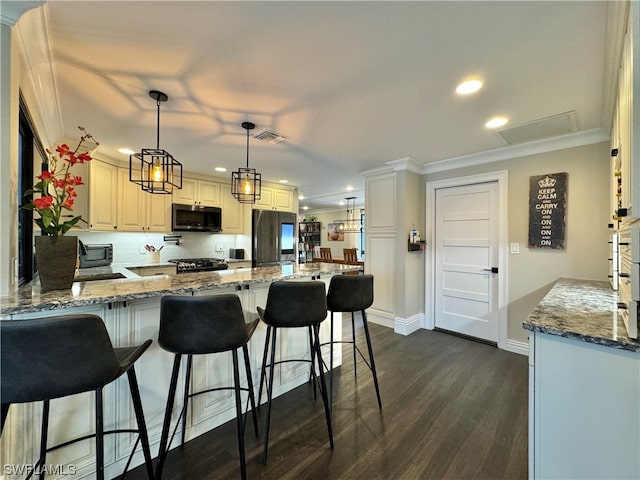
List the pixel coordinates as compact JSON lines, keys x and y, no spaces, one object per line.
{"x":492,"y":269}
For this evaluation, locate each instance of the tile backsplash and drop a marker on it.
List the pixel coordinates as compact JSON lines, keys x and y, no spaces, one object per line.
{"x":129,"y":247}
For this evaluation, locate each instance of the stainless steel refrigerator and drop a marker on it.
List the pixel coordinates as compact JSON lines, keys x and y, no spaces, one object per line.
{"x":273,"y":239}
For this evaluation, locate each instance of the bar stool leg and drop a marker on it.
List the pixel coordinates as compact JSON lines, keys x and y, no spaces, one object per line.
{"x":264,"y":364}
{"x":312,"y":375}
{"x":142,"y":426}
{"x":269,"y":394}
{"x":162,"y":450}
{"x":185,"y":398}
{"x":373,"y":363}
{"x":247,"y":366}
{"x":353,"y":341}
{"x":239,"y":426}
{"x":43,"y":437}
{"x":331,"y":367}
{"x":323,"y":385}
{"x":99,"y":435}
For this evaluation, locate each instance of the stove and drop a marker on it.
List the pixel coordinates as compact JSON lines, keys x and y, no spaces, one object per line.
{"x":186,"y":265}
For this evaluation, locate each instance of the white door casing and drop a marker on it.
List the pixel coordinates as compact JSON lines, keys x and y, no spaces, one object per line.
{"x":466,"y":283}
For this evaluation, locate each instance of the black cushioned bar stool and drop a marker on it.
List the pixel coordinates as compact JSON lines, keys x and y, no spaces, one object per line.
{"x":197,"y":326}
{"x":291,"y":305}
{"x":349,"y":293}
{"x":53,"y":357}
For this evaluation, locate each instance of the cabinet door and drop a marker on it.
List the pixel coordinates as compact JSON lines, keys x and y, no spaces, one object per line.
{"x":103,"y":195}
{"x":232,"y":212}
{"x":208,"y":194}
{"x":266,"y":199}
{"x":158,"y":213}
{"x":283,"y":200}
{"x":130,"y":200}
{"x":187,"y":194}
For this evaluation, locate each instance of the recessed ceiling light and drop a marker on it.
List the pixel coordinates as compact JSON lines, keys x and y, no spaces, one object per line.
{"x":126,"y":151}
{"x":220,"y":169}
{"x":305,"y":207}
{"x":283,"y":181}
{"x":470,"y":86}
{"x":496,"y":122}
{"x":348,"y":188}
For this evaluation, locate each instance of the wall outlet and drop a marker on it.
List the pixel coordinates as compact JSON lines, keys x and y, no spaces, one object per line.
{"x":142,"y":249}
{"x":218,"y":247}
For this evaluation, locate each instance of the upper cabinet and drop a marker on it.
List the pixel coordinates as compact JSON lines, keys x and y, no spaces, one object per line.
{"x":233,"y":212}
{"x":198,"y":192}
{"x":140,"y":211}
{"x":625,"y":134}
{"x":273,"y":198}
{"x":103,"y":196}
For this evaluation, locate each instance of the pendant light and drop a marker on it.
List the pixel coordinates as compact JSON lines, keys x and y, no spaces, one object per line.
{"x":154,"y":169}
{"x":351,"y":224}
{"x":246,"y":183}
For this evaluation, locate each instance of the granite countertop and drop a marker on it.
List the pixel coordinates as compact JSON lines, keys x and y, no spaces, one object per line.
{"x":583,"y":310}
{"x":29,"y":298}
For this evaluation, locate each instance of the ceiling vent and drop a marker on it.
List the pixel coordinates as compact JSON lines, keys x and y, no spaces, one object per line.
{"x":553,"y":126}
{"x":269,"y":136}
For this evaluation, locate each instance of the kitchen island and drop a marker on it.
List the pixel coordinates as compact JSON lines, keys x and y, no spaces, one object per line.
{"x":584,"y":386}
{"x":130,"y":308}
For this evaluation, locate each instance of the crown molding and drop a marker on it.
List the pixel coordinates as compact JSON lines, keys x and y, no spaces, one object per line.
{"x":11,"y":11}
{"x":407,"y":163}
{"x":34,"y":44}
{"x":571,"y":140}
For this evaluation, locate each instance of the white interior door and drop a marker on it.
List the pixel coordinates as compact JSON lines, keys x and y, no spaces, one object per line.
{"x":466,"y":251}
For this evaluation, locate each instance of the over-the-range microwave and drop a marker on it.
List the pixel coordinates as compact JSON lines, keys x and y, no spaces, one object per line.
{"x":195,"y":218}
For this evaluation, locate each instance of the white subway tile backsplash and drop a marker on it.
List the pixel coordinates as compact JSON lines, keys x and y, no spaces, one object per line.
{"x":126,"y":246}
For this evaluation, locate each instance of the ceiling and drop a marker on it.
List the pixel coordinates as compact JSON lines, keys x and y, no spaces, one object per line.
{"x":351,"y":85}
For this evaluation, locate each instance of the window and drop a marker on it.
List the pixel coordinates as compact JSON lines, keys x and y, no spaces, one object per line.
{"x":30,"y":154}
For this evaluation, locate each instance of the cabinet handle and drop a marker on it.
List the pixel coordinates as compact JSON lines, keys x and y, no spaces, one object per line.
{"x":115,"y":227}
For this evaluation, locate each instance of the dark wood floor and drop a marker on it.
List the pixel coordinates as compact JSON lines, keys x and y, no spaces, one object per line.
{"x":452,"y":409}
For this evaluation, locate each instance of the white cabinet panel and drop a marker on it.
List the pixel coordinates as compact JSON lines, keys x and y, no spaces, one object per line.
{"x":103,"y":194}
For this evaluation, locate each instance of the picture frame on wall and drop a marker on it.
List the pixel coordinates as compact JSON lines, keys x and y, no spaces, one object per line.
{"x":334,"y":232}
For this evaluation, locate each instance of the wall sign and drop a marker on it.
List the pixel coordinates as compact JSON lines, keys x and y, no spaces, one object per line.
{"x":547,"y":210}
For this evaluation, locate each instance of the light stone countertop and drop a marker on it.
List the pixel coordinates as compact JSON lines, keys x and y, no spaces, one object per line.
{"x":29,"y":298}
{"x":584,"y":310}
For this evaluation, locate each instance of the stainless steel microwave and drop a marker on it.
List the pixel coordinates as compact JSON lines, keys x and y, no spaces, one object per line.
{"x":195,"y":218}
{"x":95,"y":255}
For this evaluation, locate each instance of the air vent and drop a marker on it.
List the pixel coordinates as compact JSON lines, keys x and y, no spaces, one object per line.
{"x":269,"y":136}
{"x":560,"y":124}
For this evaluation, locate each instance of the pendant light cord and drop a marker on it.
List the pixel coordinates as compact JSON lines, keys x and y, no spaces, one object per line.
{"x":158,"y":126}
{"x":247,"y":148}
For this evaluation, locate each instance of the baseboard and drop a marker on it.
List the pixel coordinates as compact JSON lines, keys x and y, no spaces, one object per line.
{"x":406,"y":326}
{"x":380,"y":318}
{"x":515,"y":346}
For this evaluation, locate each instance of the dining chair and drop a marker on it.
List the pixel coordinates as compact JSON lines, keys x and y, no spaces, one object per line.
{"x":325,"y":254}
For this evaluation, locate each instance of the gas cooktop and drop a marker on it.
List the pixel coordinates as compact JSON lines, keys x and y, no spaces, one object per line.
{"x":185,"y":265}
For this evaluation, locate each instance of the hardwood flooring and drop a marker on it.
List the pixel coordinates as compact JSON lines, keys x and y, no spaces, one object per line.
{"x":452,"y":409}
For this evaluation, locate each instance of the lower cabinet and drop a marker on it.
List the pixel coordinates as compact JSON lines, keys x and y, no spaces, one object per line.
{"x":583,"y":410}
{"x":131,"y":323}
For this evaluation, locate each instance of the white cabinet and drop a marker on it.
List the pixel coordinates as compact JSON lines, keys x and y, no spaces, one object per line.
{"x":198,"y":192}
{"x":103,"y":196}
{"x":140,"y":211}
{"x":233,"y":212}
{"x":625,"y":135}
{"x":583,"y":410}
{"x":273,"y":198}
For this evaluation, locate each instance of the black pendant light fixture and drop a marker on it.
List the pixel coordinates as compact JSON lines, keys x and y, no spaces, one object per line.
{"x":246,"y":183}
{"x":154,"y":169}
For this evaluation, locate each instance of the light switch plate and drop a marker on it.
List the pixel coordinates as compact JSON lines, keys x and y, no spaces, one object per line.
{"x":515,"y":248}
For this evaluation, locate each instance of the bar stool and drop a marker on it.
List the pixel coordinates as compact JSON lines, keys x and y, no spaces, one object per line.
{"x":53,"y":357}
{"x":352,"y":294}
{"x":292,"y":305}
{"x":197,"y":326}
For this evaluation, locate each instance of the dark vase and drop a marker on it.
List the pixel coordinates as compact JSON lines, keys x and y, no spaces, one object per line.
{"x":56,"y":259}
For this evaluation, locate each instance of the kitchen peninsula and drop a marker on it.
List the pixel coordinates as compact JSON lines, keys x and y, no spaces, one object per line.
{"x":130,"y":308}
{"x":584,"y":385}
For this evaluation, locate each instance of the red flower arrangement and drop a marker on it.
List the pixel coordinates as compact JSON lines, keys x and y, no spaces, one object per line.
{"x":57,"y":189}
